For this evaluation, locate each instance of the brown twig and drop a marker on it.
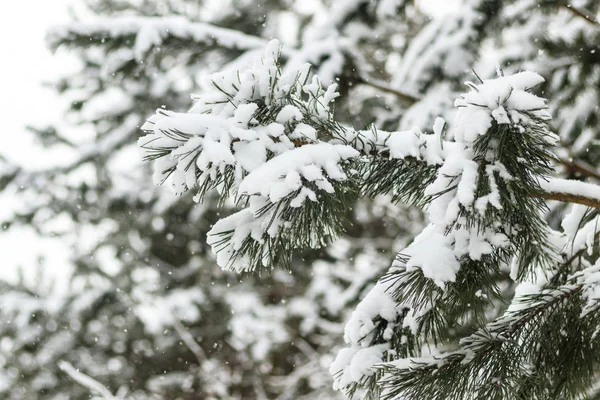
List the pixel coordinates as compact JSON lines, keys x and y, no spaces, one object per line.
{"x":580,"y":167}
{"x":568,"y":198}
{"x":582,"y":13}
{"x":384,"y":87}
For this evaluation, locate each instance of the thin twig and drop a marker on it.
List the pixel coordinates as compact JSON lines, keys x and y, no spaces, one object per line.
{"x":87,"y":381}
{"x":581,"y":251}
{"x":189,"y":341}
{"x":580,"y":167}
{"x":570,"y":191}
{"x":568,"y":198}
{"x":384,"y":87}
{"x":305,"y":348}
{"x":582,"y":13}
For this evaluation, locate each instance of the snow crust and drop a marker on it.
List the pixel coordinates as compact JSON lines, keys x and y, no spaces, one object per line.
{"x":284,"y":174}
{"x":572,"y":187}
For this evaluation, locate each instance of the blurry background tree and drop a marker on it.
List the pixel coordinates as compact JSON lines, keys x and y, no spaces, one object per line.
{"x":148,"y":313}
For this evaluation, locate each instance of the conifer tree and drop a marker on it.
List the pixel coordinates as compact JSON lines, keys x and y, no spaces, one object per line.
{"x":143,"y":276}
{"x":494,"y":295}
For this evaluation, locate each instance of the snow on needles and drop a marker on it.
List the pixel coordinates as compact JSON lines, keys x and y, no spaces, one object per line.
{"x":252,"y":134}
{"x":297,"y":175}
{"x":507,"y":99}
{"x":152,"y":31}
{"x":284,"y":174}
{"x":258,"y":135}
{"x":240,"y":120}
{"x":448,"y":239}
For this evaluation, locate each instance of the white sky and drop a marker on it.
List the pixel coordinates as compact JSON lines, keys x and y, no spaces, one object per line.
{"x":26,"y":61}
{"x":24,"y":64}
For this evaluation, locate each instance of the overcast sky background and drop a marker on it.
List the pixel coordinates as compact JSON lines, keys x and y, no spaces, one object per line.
{"x":24,"y":64}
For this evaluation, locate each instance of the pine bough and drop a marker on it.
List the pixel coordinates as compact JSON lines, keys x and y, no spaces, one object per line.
{"x":270,"y":142}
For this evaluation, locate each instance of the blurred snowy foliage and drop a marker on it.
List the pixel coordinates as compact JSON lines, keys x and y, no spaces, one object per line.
{"x":147,"y":312}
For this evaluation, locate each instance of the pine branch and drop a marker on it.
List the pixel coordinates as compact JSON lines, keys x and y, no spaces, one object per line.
{"x":492,"y":362}
{"x":563,"y":190}
{"x":166,"y":30}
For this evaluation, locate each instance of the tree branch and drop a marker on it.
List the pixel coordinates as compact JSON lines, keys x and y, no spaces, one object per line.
{"x":581,"y":12}
{"x":563,"y":190}
{"x":384,"y":87}
{"x":189,"y":341}
{"x":579,"y":167}
{"x":570,"y":191}
{"x":87,"y":381}
{"x":165,"y":29}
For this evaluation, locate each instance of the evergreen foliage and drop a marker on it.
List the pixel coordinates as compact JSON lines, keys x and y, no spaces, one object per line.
{"x":310,"y":165}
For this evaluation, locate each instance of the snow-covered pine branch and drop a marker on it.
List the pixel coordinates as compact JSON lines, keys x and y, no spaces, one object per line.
{"x":138,"y":256}
{"x":149,"y":33}
{"x":495,"y":361}
{"x":498,"y":153}
{"x":257,"y":136}
{"x":270,"y":141}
